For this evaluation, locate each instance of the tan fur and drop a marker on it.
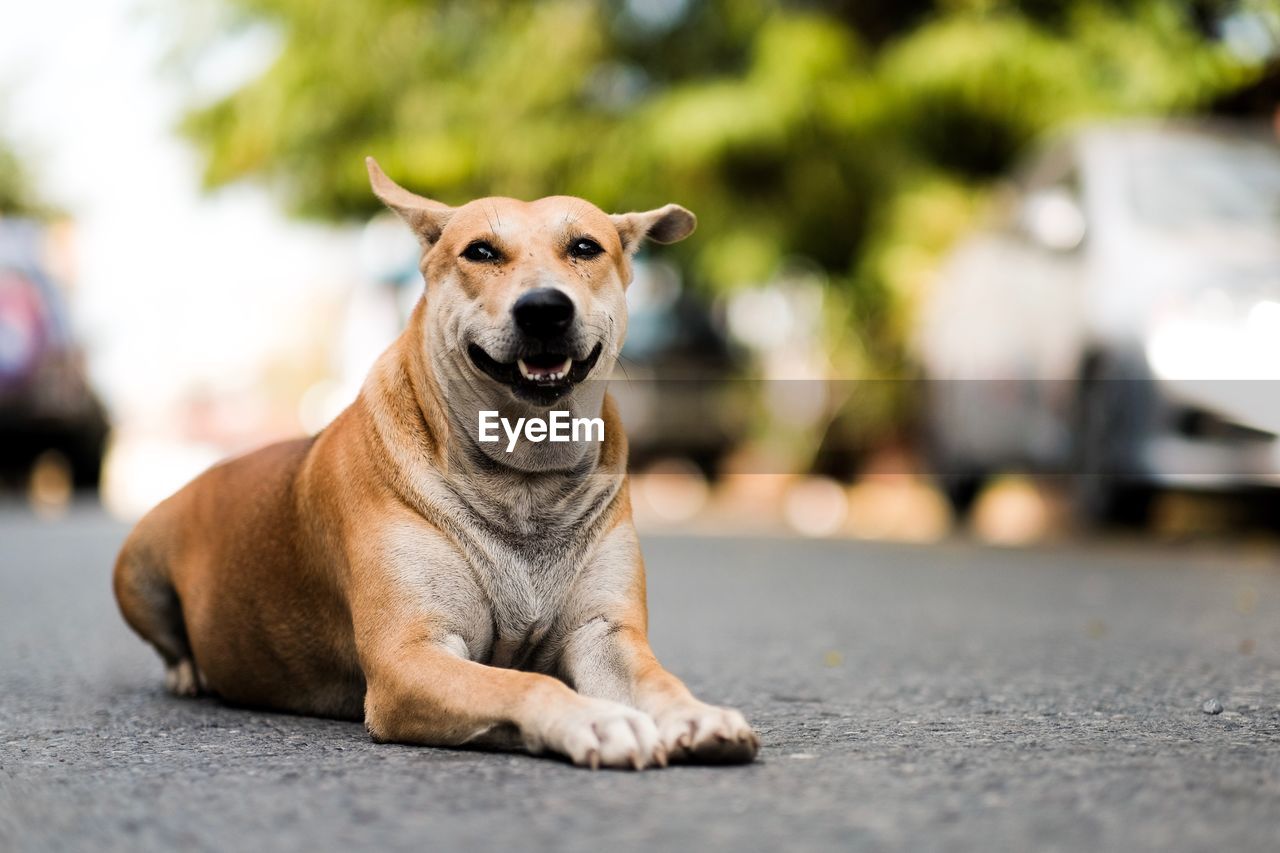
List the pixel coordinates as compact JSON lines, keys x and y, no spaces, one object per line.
{"x":383,"y":570}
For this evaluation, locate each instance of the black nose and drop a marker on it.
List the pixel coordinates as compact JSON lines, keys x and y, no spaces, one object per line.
{"x":543,"y":313}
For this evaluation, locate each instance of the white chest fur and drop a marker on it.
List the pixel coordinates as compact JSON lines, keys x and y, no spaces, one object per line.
{"x":522,"y":554}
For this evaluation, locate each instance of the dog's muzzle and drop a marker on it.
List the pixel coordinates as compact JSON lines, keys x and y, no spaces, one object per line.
{"x":549,"y":359}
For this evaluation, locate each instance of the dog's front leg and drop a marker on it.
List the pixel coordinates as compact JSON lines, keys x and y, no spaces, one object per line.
{"x":612,"y":659}
{"x":607,"y":655}
{"x":425,"y":694}
{"x":422,"y":689}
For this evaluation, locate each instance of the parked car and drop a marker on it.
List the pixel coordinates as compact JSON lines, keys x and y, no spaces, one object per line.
{"x":677,"y":381}
{"x":1119,"y":323}
{"x":46,"y":402}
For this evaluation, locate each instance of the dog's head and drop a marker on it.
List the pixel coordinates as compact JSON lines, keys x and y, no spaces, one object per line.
{"x":527,"y":298}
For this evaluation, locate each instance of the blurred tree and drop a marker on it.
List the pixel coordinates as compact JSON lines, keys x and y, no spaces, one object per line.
{"x":17,"y":196}
{"x":854,"y":135}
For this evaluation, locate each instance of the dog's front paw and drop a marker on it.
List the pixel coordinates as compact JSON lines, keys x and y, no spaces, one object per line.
{"x":697,"y":732}
{"x":600,"y":733}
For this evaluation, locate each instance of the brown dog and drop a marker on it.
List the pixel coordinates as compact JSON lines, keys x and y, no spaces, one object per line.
{"x":401,"y":567}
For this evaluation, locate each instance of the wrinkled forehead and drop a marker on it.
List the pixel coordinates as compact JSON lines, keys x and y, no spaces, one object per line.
{"x":552,"y":219}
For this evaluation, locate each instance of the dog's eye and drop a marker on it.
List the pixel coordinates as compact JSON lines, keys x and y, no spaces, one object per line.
{"x":584,"y":247}
{"x":481,"y":252}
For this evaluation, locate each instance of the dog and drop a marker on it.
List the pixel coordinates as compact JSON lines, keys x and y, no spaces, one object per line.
{"x":397,"y":569}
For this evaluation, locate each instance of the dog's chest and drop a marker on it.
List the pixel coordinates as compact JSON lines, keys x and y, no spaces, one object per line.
{"x":527,"y":589}
{"x":526,"y":546}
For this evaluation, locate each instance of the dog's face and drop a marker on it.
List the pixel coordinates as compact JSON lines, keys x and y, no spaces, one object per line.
{"x":528,"y":297}
{"x":533,"y":293}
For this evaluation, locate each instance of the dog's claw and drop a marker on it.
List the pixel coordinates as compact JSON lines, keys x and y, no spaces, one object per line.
{"x":593,"y":759}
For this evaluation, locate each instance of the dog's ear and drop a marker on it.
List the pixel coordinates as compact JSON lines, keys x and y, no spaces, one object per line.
{"x":427,"y":218}
{"x":670,"y":223}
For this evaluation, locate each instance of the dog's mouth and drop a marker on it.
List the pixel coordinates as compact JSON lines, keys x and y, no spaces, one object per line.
{"x":542,"y":377}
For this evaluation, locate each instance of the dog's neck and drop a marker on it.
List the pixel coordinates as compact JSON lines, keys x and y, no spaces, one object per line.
{"x":427,"y":420}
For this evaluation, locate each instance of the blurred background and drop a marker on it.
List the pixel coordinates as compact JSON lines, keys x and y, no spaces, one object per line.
{"x":982,"y":267}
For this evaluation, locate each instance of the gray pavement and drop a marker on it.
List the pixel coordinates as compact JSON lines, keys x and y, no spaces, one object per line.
{"x":952,"y":697}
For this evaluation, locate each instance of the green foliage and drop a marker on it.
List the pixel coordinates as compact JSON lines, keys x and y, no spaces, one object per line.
{"x":17,"y":198}
{"x":825,"y":130}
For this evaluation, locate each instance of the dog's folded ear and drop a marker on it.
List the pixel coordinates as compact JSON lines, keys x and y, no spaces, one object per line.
{"x":670,"y":223}
{"x":427,"y":218}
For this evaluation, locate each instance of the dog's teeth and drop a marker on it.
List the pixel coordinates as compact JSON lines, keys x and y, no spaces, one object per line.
{"x":534,"y":374}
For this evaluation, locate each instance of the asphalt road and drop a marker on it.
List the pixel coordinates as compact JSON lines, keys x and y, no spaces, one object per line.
{"x":951,"y":697}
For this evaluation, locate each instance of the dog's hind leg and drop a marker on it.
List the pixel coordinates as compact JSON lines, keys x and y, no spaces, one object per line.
{"x":151,"y":607}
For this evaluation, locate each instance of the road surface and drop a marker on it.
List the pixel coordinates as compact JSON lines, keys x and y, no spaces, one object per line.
{"x":951,"y":697}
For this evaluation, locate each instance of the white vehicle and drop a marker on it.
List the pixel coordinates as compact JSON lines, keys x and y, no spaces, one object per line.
{"x":1119,"y":325}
